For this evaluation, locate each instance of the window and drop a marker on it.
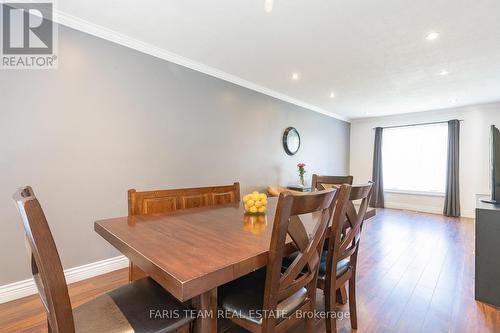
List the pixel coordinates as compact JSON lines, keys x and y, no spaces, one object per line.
{"x":415,"y":157}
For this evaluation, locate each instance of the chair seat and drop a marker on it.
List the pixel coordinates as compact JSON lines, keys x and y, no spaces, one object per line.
{"x":244,"y":298}
{"x":342,"y":265}
{"x":139,"y":307}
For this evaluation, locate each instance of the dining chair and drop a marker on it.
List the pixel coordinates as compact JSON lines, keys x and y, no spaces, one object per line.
{"x":339,"y":263}
{"x":125,"y":309}
{"x":317,"y":180}
{"x":163,"y":201}
{"x":270,"y":300}
{"x":320,"y":183}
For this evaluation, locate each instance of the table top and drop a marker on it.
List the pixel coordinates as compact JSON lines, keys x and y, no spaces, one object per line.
{"x":193,"y":251}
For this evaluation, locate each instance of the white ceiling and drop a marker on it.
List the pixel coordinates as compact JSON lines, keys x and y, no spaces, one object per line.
{"x":372,"y":53}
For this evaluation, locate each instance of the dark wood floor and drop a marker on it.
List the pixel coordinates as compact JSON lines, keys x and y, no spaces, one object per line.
{"x":415,"y":274}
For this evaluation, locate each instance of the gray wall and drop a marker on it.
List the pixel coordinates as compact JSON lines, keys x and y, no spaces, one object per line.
{"x":111,"y":118}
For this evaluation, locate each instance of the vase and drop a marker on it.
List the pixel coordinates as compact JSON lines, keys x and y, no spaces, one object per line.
{"x":301,"y":180}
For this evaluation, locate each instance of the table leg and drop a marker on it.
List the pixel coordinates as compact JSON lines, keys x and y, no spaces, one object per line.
{"x":206,"y":304}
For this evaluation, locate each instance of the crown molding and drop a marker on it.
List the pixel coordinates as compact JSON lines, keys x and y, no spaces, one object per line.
{"x":118,"y":38}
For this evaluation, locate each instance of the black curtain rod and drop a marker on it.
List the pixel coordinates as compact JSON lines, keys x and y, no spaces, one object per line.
{"x":411,"y":125}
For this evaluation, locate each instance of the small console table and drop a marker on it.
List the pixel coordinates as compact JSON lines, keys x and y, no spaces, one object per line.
{"x":299,"y":188}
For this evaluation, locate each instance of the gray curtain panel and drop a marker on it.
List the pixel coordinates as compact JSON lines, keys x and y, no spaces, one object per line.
{"x":377,"y":199}
{"x":452,"y":198}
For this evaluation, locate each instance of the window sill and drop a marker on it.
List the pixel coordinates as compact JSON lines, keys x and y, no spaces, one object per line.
{"x":408,"y":192}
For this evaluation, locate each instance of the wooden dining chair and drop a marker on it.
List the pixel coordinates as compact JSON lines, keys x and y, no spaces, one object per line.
{"x":163,"y":201}
{"x":339,"y":263}
{"x":269,"y":300}
{"x":317,"y":181}
{"x":320,"y":183}
{"x":125,"y":309}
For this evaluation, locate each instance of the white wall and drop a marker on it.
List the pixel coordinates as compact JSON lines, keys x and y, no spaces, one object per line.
{"x":111,"y":118}
{"x":474,"y":154}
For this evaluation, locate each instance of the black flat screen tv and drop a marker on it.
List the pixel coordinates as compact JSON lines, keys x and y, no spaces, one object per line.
{"x":495,"y":166}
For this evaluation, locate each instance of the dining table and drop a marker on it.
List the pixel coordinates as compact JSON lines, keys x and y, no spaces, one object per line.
{"x":192,"y":252}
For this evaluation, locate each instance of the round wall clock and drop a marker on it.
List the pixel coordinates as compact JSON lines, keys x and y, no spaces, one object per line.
{"x":291,"y":141}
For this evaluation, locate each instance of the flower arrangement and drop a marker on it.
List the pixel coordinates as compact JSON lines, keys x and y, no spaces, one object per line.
{"x":302,"y":171}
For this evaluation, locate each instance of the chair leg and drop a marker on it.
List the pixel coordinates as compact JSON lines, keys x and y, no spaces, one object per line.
{"x":49,"y":329}
{"x":333,"y":324}
{"x":326,"y":295}
{"x":310,"y":321}
{"x":342,"y":295}
{"x":352,"y":302}
{"x":330,"y":318}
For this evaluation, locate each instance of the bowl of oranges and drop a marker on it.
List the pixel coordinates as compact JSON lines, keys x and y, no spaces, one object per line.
{"x":255,"y":203}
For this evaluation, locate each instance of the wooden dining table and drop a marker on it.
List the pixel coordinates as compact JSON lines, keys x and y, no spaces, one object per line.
{"x":192,"y":252}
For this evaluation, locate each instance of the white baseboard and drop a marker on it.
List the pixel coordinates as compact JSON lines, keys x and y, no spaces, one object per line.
{"x":415,"y":208}
{"x":16,"y":290}
{"x":469,"y":214}
{"x":423,"y":209}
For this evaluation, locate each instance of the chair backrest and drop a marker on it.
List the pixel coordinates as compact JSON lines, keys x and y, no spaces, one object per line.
{"x":346,"y":226}
{"x":303,"y":271}
{"x":162,"y":201}
{"x":45,"y":263}
{"x":317,"y":180}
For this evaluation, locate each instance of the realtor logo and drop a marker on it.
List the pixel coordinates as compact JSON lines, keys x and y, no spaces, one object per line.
{"x":28,"y":35}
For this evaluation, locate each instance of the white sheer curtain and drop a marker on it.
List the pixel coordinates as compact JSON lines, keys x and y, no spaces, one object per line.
{"x":414,"y":158}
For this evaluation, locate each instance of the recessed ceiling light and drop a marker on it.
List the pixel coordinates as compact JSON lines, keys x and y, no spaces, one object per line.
{"x":454,"y":100}
{"x":268,"y":5}
{"x":432,"y":35}
{"x":332,"y":95}
{"x":444,"y":72}
{"x":295,"y":76}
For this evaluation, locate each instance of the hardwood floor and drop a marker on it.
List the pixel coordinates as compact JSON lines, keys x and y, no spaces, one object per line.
{"x":26,"y":314}
{"x":415,"y":274}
